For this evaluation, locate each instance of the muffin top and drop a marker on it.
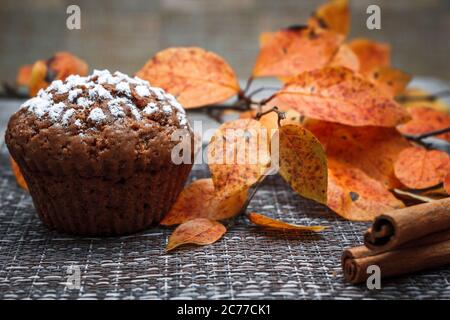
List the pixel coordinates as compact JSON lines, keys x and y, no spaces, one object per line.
{"x":101,"y":124}
{"x":90,"y":103}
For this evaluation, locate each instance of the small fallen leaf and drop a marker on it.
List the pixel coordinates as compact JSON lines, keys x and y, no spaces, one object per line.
{"x":303,"y":162}
{"x":390,"y":80}
{"x":337,"y":94}
{"x":264,"y":221}
{"x":371,"y":149}
{"x":195,"y":76}
{"x":426,"y":120}
{"x":238,"y":155}
{"x":345,"y":57}
{"x":334,"y":15}
{"x":18,"y":175}
{"x":371,"y":54}
{"x":199,"y":231}
{"x":200,"y":200}
{"x":419,"y":168}
{"x":37,"y":78}
{"x":355,"y":196}
{"x":291,"y":51}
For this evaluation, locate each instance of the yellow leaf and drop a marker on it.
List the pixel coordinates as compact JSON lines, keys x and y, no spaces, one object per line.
{"x":303,"y":163}
{"x":267,"y":222}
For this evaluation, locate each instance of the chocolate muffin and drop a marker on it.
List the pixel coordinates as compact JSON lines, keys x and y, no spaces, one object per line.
{"x":96,"y":153}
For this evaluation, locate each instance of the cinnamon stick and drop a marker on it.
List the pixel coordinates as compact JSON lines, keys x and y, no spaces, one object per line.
{"x":355,"y":261}
{"x":398,"y":227}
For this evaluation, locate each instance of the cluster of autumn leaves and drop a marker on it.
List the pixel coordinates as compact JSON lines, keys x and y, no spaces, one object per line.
{"x":342,"y":135}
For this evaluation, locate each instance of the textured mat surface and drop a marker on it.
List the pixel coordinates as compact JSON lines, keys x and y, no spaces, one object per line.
{"x":247,"y":263}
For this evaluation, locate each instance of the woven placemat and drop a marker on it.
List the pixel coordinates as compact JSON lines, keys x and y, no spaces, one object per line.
{"x":248,"y":262}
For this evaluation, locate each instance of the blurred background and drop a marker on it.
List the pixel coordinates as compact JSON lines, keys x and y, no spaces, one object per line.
{"x":123,"y":35}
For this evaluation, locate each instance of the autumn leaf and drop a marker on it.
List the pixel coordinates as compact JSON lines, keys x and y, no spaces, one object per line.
{"x":17,"y":174}
{"x":303,"y":163}
{"x":59,"y":66}
{"x":447,"y":183}
{"x":37,"y":78}
{"x":199,"y":231}
{"x":238,"y":155}
{"x":291,"y":51}
{"x":389,"y":80}
{"x":264,"y":221}
{"x":337,"y":94}
{"x":356,"y":196}
{"x":195,"y":76}
{"x":24,"y":75}
{"x":370,"y":149}
{"x":270,"y":120}
{"x":425,"y":120}
{"x":334,"y":15}
{"x":200,"y":200}
{"x":372,"y":55}
{"x":418,"y":168}
{"x":345,"y":57}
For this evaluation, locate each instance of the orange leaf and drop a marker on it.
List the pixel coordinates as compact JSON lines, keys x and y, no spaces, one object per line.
{"x":303,"y":163}
{"x":339,"y":95}
{"x":238,"y":155}
{"x":270,"y":120}
{"x":264,"y":221}
{"x":334,"y":15}
{"x":65,"y":64}
{"x":447,"y":183}
{"x":195,"y":76}
{"x":294,"y":50}
{"x":37,"y":77}
{"x":24,"y":75}
{"x":390,"y":80}
{"x":426,"y":120}
{"x":418,"y":168}
{"x":199,"y":231}
{"x":17,"y":174}
{"x":200,"y":200}
{"x":370,"y":149}
{"x":371,"y":54}
{"x":345,"y":57}
{"x":356,"y":196}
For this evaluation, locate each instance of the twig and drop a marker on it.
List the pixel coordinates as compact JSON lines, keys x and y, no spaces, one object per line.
{"x":247,"y":85}
{"x":251,"y":94}
{"x":281,"y":114}
{"x":422,"y":136}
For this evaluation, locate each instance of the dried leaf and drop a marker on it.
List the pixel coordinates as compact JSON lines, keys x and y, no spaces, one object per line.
{"x":17,"y":174}
{"x":370,"y":149}
{"x":407,"y":196}
{"x":303,"y":163}
{"x":339,"y":95}
{"x":37,"y":78}
{"x":371,"y":54}
{"x":356,"y":196}
{"x":200,"y":200}
{"x":24,"y":75}
{"x":60,"y":66}
{"x":390,"y":80}
{"x":334,"y":15}
{"x":199,"y":231}
{"x":447,"y":183}
{"x":426,"y":120}
{"x":294,"y":50}
{"x":264,"y":221}
{"x":238,"y":155}
{"x":345,"y":57}
{"x":418,"y":168}
{"x":195,"y":76}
